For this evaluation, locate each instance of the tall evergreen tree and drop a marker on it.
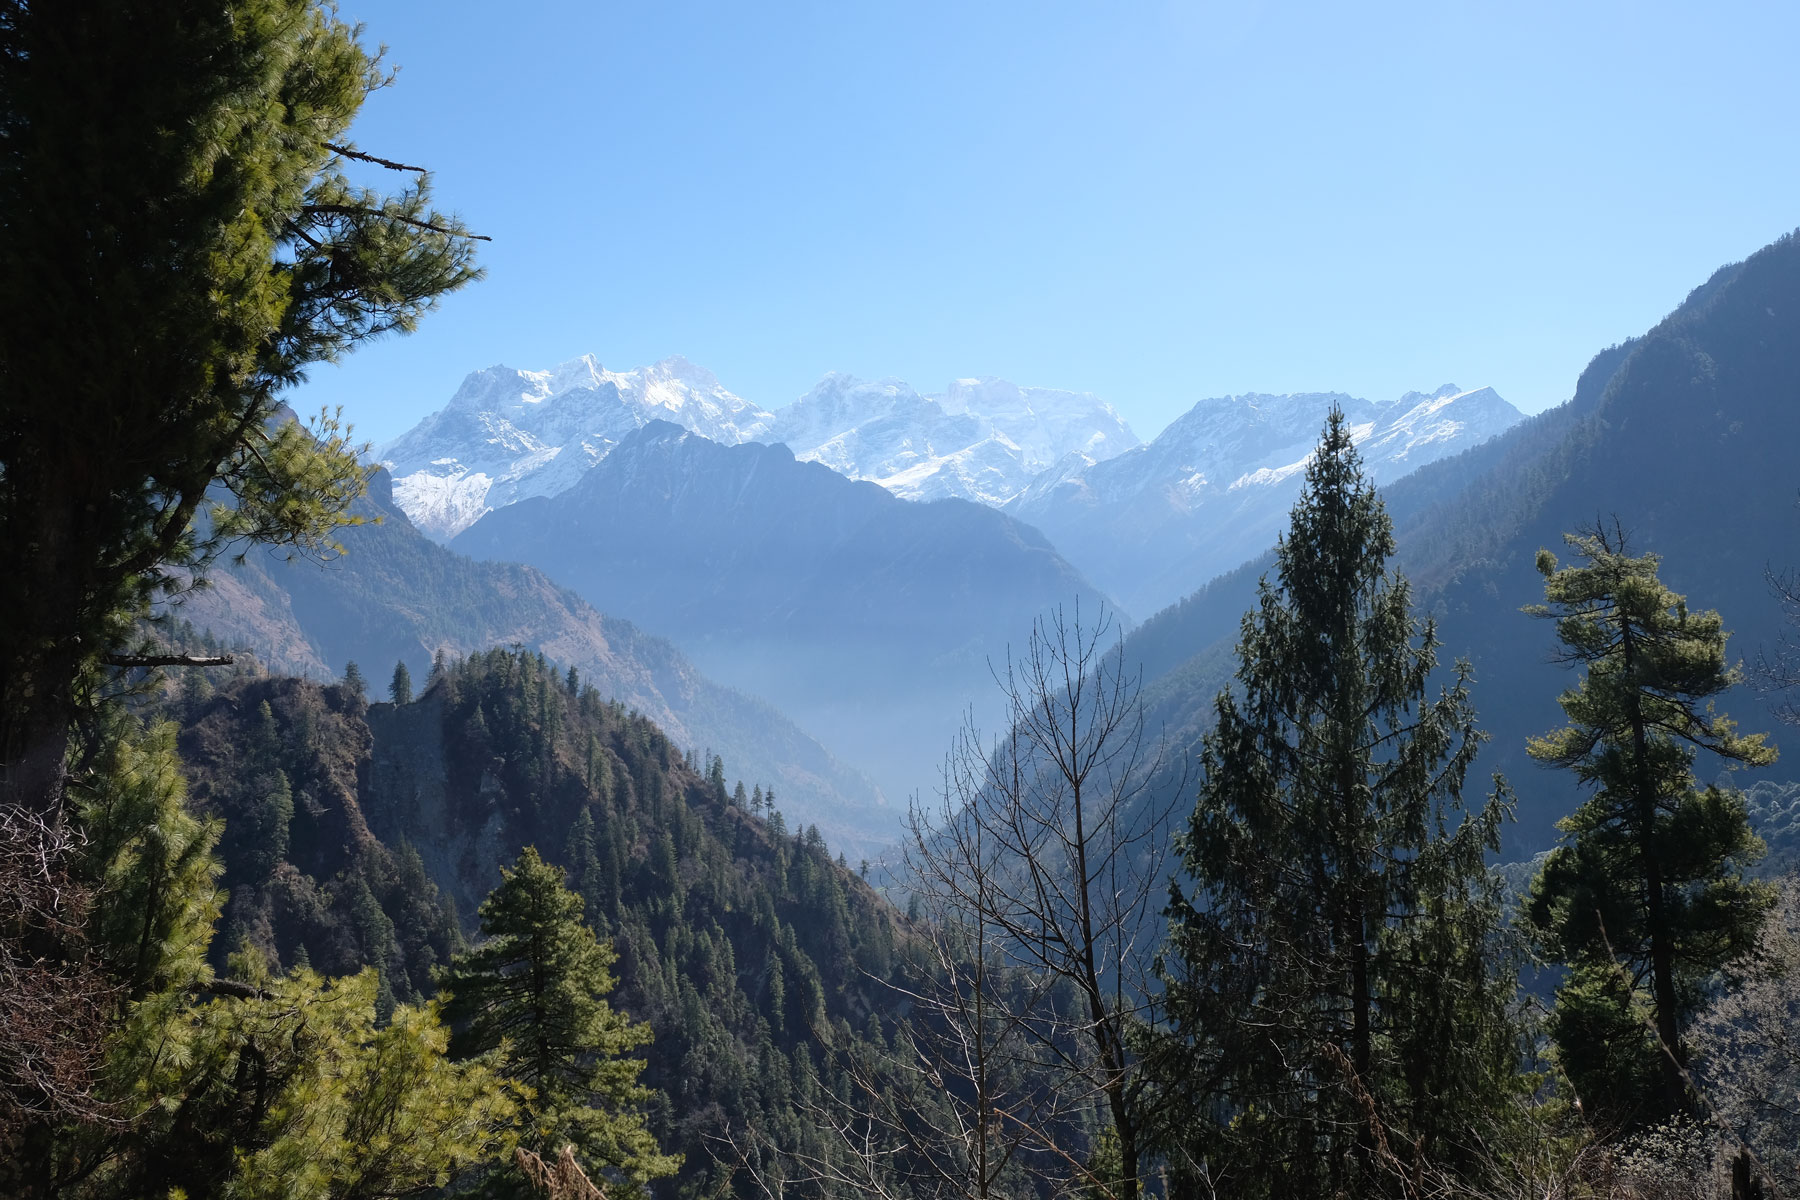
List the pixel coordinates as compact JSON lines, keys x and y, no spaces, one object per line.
{"x":248,"y":1086}
{"x":400,"y":689}
{"x":1340,"y":1016}
{"x":585,"y":870}
{"x":179,"y":241}
{"x":533,"y":994}
{"x":266,"y":823}
{"x":1644,"y":898}
{"x":152,"y":312}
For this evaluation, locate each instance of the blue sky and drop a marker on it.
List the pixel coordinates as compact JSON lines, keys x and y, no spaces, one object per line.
{"x":1157,"y":202}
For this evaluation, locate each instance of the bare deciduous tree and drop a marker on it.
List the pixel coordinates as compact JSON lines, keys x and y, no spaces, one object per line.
{"x":1034,"y":881}
{"x":1779,"y":668}
{"x":1045,"y":857}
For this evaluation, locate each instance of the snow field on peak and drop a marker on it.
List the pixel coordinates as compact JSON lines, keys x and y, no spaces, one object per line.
{"x":508,"y":434}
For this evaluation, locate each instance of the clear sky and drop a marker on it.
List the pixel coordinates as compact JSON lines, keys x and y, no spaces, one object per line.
{"x":1157,"y":202}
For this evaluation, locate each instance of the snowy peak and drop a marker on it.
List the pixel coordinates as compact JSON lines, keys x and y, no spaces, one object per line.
{"x":509,"y":433}
{"x":981,"y":439}
{"x":1419,"y":428}
{"x":1211,"y":490}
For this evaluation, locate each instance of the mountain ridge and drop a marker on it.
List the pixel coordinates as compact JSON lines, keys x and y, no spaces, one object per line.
{"x":868,"y":618}
{"x":1680,"y":433}
{"x":509,"y":434}
{"x":397,"y":595}
{"x":1213,"y":489}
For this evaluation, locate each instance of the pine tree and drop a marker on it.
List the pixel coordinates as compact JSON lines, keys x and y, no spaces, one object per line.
{"x":195,"y":689}
{"x":266,"y":824}
{"x":375,"y":935}
{"x":585,"y":871}
{"x":1331,"y":975}
{"x":232,"y":1086}
{"x":533,"y":994}
{"x":1644,"y":897}
{"x":400,"y":690}
{"x":211,"y":264}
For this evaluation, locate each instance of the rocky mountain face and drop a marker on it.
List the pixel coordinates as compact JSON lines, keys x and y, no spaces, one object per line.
{"x":508,"y":434}
{"x":397,"y":596}
{"x":868,"y":618}
{"x":1685,"y":436}
{"x":1213,"y":489}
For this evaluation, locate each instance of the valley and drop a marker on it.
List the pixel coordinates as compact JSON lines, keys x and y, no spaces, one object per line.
{"x":1005,"y":671}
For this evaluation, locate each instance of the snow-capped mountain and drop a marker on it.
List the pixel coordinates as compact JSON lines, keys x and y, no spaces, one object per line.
{"x":981,"y":439}
{"x":508,"y":434}
{"x":1214,"y":488}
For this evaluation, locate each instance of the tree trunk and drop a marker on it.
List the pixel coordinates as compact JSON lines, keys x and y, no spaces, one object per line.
{"x":32,"y":779}
{"x":41,"y":652}
{"x":1662,"y":954}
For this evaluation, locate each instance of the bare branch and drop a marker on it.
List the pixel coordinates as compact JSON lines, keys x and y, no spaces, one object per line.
{"x":359,"y":156}
{"x":236,"y":989}
{"x":168,"y":660}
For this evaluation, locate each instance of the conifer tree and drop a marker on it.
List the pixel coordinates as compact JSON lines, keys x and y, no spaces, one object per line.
{"x":179,"y":242}
{"x":246,"y":1086}
{"x":1644,"y":898}
{"x":400,"y":690}
{"x":195,"y":689}
{"x":221,"y":252}
{"x":1331,"y":974}
{"x":585,"y":871}
{"x":533,"y":995}
{"x":266,"y":823}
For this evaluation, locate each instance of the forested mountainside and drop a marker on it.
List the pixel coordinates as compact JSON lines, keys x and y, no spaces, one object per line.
{"x":1684,"y":435}
{"x":359,"y":833}
{"x":871,"y":620}
{"x":395,"y":595}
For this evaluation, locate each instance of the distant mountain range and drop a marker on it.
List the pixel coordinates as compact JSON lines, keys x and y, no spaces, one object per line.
{"x":509,"y":434}
{"x":738,"y":532}
{"x":1214,"y":489}
{"x":871,"y":620}
{"x":397,"y":596}
{"x":981,"y":439}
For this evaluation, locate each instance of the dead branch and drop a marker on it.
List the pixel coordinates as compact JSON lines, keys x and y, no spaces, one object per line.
{"x":129,"y":661}
{"x":359,"y":156}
